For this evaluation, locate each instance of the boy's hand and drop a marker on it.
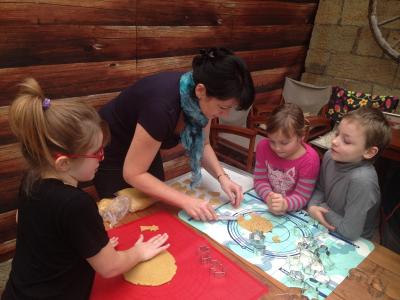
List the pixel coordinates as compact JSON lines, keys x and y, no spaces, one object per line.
{"x":150,"y":248}
{"x":318,"y":213}
{"x":276,"y":203}
{"x":200,"y":209}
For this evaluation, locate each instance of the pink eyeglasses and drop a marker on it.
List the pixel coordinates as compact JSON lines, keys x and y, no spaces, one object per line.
{"x":99,"y":155}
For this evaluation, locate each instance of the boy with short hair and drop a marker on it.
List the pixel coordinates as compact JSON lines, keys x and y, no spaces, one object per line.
{"x":347,"y":196}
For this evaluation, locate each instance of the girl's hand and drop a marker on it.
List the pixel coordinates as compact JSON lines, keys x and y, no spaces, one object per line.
{"x":318,"y":213}
{"x":150,"y":248}
{"x":200,"y":209}
{"x":114,"y":241}
{"x":276,"y":203}
{"x":233,"y":190}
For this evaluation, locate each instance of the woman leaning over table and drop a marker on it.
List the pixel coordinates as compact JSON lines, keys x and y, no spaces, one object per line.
{"x":162,"y":110}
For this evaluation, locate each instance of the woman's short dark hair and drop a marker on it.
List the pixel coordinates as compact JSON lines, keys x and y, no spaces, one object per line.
{"x":224,"y":75}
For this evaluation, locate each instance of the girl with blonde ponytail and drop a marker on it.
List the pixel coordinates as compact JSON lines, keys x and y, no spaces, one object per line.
{"x":61,"y":238}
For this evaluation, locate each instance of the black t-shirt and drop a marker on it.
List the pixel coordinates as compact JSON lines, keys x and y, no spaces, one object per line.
{"x":154,"y":103}
{"x":59,"y":227}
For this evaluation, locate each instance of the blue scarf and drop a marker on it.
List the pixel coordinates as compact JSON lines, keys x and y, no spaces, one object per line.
{"x":192,"y":136}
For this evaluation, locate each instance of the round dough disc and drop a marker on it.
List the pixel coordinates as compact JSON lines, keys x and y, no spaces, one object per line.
{"x":156,"y":271}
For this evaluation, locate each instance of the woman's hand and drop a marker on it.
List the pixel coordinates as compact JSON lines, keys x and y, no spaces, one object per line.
{"x":318,"y":213}
{"x":150,"y":248}
{"x":200,"y":209}
{"x":233,"y":190}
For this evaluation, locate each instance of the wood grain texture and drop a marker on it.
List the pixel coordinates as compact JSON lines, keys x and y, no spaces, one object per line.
{"x":264,"y":59}
{"x":272,"y":97}
{"x":12,"y":168}
{"x":258,"y":13}
{"x":97,"y":101}
{"x":69,"y":80}
{"x":214,"y":13}
{"x":382,"y":264}
{"x":7,"y":250}
{"x":265,"y":80}
{"x":184,"y":13}
{"x":28,"y":45}
{"x":91,"y":50}
{"x":85,"y":12}
{"x":163,"y":41}
{"x":7,"y":224}
{"x":262,"y":37}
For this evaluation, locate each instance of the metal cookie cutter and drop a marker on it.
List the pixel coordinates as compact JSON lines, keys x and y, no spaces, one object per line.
{"x":257,"y":239}
{"x":217,"y":269}
{"x":204,"y":253}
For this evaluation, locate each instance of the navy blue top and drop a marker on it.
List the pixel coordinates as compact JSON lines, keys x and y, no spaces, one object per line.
{"x":154,"y":103}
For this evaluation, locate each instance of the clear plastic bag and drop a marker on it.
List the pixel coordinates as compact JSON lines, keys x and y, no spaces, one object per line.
{"x":114,"y":209}
{"x":139,"y":200}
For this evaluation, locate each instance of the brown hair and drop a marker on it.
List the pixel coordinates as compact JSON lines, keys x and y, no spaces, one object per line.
{"x":44,"y":127}
{"x":377,"y":129}
{"x":288,"y":118}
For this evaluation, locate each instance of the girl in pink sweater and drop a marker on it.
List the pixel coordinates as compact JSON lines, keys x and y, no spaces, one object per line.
{"x":286,"y":167}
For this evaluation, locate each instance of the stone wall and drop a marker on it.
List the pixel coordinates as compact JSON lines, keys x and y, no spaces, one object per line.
{"x":343,"y":51}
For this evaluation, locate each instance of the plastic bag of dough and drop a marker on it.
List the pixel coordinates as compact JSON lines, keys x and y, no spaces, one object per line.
{"x":138,"y":199}
{"x":103,"y":204}
{"x":113,"y":210}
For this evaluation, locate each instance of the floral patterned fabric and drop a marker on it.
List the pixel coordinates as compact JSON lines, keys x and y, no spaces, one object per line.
{"x":343,"y":100}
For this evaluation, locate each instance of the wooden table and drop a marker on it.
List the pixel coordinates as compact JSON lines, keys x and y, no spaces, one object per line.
{"x":381,"y":262}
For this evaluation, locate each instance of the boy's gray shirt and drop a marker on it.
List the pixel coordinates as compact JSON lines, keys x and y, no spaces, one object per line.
{"x":351,"y":193}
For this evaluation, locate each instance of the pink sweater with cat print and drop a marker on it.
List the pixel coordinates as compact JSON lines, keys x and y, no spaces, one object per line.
{"x":294,"y":179}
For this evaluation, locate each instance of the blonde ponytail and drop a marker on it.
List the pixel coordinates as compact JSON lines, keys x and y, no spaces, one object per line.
{"x":27,"y":122}
{"x":44,"y":127}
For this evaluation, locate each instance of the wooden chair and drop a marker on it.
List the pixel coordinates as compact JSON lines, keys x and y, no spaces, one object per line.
{"x":175,"y":161}
{"x":313,"y":101}
{"x":263,"y":106}
{"x":311,"y":98}
{"x":234,"y":139}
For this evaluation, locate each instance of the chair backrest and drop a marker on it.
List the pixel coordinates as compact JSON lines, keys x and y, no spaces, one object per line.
{"x":232,"y":141}
{"x":236,"y":118}
{"x":311,"y":98}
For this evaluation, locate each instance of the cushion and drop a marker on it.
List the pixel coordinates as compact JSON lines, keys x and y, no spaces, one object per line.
{"x":343,"y":100}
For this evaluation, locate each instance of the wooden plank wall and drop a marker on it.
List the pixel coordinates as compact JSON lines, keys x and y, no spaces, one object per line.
{"x":91,"y":50}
